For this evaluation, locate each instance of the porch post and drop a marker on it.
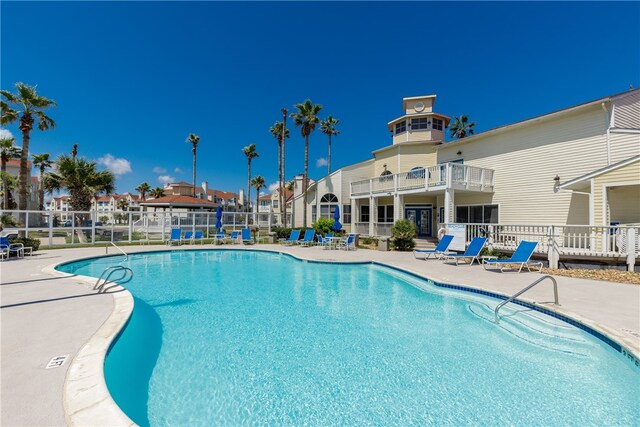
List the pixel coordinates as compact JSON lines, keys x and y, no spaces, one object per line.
{"x":631,"y":248}
{"x":354,"y":215}
{"x":373,"y":213}
{"x":449,"y":203}
{"x":397,"y":207}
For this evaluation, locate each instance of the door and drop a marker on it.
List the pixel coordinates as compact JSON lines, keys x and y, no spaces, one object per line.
{"x":421,"y":218}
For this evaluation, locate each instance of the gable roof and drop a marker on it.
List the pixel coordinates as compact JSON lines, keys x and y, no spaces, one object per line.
{"x":575,"y":183}
{"x":179,"y":201}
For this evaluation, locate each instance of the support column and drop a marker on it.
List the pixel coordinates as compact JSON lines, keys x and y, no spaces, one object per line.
{"x":398,"y":205}
{"x":354,"y":215}
{"x":373,"y":213}
{"x":449,"y":203}
{"x":631,"y":248}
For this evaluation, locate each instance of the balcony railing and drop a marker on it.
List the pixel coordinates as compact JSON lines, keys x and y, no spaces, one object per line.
{"x":432,"y":178}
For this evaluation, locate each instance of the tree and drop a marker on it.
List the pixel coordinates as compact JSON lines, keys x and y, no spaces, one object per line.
{"x":27,"y":107}
{"x":193,"y":139}
{"x":123,"y":204}
{"x":258,"y":183}
{"x":251,"y":153}
{"x":328,"y":127}
{"x":280,"y":132}
{"x":143,"y":189}
{"x":460,"y":127}
{"x":157,"y":192}
{"x":8,"y":151}
{"x":42,"y":162}
{"x":81,"y":178}
{"x":307,"y":118}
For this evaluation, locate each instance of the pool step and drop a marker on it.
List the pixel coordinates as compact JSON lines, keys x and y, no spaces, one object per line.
{"x":535,"y":328}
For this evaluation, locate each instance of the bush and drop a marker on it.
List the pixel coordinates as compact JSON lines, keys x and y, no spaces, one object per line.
{"x":323,"y":226}
{"x":402,"y":234}
{"x":7,"y":220}
{"x":27,"y":242}
{"x":281,"y":232}
{"x":488,"y":251}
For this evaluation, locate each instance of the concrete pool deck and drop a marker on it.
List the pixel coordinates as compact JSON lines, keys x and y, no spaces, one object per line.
{"x":44,"y":315}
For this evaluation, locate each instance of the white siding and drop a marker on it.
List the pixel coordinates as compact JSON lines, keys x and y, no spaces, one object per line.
{"x":624,"y":145}
{"x":627,"y":111}
{"x":526,"y":160}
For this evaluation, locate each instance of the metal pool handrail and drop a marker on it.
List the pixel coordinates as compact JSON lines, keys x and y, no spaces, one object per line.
{"x":106,"y":249}
{"x":108,"y":272}
{"x":517,"y":294}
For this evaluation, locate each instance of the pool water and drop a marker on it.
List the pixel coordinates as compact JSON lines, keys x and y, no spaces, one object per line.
{"x":227,"y":337}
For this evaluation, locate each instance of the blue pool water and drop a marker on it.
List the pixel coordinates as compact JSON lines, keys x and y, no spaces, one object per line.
{"x":255,"y":338}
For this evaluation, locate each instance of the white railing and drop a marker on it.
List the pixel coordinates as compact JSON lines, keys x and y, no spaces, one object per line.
{"x":449,"y":175}
{"x":622,"y":241}
{"x":361,"y":228}
{"x":62,"y":228}
{"x":382,"y":228}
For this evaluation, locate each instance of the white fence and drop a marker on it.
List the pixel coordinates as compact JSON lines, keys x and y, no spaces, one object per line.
{"x":92,"y":227}
{"x":616,"y":242}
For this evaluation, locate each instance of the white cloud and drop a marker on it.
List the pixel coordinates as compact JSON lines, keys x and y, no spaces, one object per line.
{"x":272,"y":187}
{"x":321,"y":162}
{"x":5,"y":134}
{"x":262,"y":193}
{"x":119,"y":166}
{"x":159,"y":169}
{"x":166,"y":179}
{"x":178,"y":170}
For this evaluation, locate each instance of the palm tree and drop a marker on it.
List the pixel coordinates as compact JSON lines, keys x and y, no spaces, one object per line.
{"x":157,"y":192}
{"x":257,"y":182}
{"x":280,"y":132}
{"x":328,"y":127}
{"x":29,"y":109}
{"x":143,"y":189}
{"x":307,"y":118}
{"x":43,"y":162}
{"x":123,"y":204}
{"x":193,"y":139}
{"x":8,"y":151}
{"x":81,"y":178}
{"x":251,"y":153}
{"x":460,"y":127}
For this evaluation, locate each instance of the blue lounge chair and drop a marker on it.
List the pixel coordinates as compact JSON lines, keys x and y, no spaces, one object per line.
{"x":293,"y":238}
{"x":188,"y":236}
{"x":198,"y":237}
{"x":438,"y":251}
{"x":348,"y":243}
{"x":326,"y":240}
{"x":219,"y":237}
{"x":472,"y":252}
{"x":233,"y":238}
{"x":520,"y":256}
{"x":309,"y":236}
{"x":175,"y":236}
{"x":246,"y":236}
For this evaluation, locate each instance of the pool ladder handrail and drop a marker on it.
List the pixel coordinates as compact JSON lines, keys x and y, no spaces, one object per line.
{"x":127,"y":274}
{"x":517,"y":294}
{"x":106,"y":249}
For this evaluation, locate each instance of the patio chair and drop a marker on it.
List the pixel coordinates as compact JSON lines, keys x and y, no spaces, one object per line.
{"x":438,"y":251}
{"x":219,"y":237}
{"x":293,"y":238}
{"x":12,"y":248}
{"x":188,"y":237}
{"x":348,"y":243}
{"x":472,"y":253}
{"x":521,"y":256}
{"x":175,"y":236}
{"x":325,"y":241}
{"x":309,"y":237}
{"x":246,"y":237}
{"x":233,"y":238}
{"x":198,"y":237}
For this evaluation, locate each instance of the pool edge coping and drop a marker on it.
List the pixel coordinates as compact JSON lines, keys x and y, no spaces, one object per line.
{"x":87,"y":400}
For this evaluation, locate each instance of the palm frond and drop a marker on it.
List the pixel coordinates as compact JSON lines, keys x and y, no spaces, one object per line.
{"x":44,"y":122}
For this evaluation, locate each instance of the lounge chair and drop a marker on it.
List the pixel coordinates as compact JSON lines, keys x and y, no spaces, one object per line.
{"x":233,"y":238}
{"x":198,"y":237}
{"x":293,"y":238}
{"x":326,"y":240}
{"x":246,"y":237}
{"x":188,"y":237}
{"x":12,"y":248}
{"x":309,"y":237}
{"x":438,"y":251}
{"x":520,"y":256}
{"x":472,"y":253}
{"x":175,"y":236}
{"x":348,"y":243}
{"x":219,"y":237}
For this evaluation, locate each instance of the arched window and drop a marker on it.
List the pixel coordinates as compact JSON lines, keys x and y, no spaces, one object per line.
{"x":386,"y":175}
{"x":328,"y":203}
{"x":329,"y":198}
{"x":416,"y":173}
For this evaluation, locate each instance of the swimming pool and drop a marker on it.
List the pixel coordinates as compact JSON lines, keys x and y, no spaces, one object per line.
{"x":229,"y":337}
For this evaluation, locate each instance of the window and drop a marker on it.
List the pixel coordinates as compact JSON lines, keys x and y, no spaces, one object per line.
{"x":401,"y":127}
{"x":314,"y":213}
{"x":329,"y":198}
{"x":416,"y":173}
{"x":346,"y":214}
{"x":328,"y":204}
{"x":275,"y":204}
{"x":477,"y":214}
{"x":385,"y":213}
{"x":437,"y":124}
{"x":364,"y":213}
{"x":417,"y":124}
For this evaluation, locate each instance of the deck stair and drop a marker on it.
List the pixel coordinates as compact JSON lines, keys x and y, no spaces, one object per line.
{"x":426,"y":243}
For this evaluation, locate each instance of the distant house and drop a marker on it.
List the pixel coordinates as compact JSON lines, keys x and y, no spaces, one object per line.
{"x":33,"y":201}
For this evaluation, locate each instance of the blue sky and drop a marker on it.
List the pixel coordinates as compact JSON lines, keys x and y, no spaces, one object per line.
{"x":132,"y":79}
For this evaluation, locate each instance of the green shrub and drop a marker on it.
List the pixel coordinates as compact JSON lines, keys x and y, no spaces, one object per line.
{"x":402,"y":234}
{"x":27,"y":242}
{"x":323,"y":226}
{"x":7,"y":220}
{"x":366,"y":240}
{"x":488,"y":251}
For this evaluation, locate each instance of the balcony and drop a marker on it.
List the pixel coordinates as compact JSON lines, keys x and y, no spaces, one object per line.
{"x":433,"y":178}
